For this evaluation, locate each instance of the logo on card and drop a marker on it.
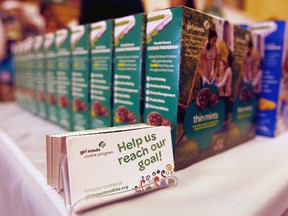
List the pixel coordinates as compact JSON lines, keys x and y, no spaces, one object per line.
{"x":85,"y":151}
{"x":102,"y":144}
{"x":96,"y":152}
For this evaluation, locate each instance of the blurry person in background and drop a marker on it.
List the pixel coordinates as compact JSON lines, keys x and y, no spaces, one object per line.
{"x":213,"y":7}
{"x":6,"y":75}
{"x":97,"y":10}
{"x":10,"y":32}
{"x":187,"y":3}
{"x":52,"y":23}
{"x":19,"y":20}
{"x":2,"y":41}
{"x":11,"y":16}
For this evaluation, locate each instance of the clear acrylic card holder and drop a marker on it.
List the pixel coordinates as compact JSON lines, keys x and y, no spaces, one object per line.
{"x":93,"y":202}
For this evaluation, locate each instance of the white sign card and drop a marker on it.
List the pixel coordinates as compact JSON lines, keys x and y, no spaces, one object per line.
{"x":113,"y":162}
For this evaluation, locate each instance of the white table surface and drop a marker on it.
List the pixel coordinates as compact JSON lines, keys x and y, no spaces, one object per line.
{"x":248,"y":180}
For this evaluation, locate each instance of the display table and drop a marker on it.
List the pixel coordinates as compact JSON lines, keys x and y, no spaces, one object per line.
{"x":251,"y":179}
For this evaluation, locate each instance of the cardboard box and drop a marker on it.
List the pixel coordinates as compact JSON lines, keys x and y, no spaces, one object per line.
{"x":80,"y":76}
{"x":272,"y":116}
{"x":196,"y":97}
{"x":17,"y":68}
{"x":23,"y":74}
{"x":246,"y":86}
{"x":101,"y":42}
{"x":26,"y":72}
{"x":30,"y":78}
{"x":64,"y":66}
{"x":51,"y":76}
{"x":40,"y":70}
{"x":129,"y":40}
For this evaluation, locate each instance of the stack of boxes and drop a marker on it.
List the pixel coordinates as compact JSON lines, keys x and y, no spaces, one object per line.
{"x":273,"y":99}
{"x":194,"y":83}
{"x":199,"y":75}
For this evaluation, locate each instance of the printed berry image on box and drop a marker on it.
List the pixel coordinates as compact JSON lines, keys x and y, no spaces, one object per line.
{"x":40,"y":70}
{"x":195,"y":98}
{"x":101,"y":40}
{"x":129,"y":40}
{"x":51,"y":76}
{"x":64,"y":66}
{"x":80,"y":77}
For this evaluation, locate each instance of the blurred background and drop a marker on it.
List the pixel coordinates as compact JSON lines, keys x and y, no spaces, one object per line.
{"x":20,"y":19}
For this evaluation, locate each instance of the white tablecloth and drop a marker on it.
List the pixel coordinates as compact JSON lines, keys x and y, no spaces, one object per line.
{"x":248,"y":180}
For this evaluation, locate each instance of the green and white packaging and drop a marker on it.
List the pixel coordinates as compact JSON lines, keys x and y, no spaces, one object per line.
{"x":64,"y":66}
{"x":34,"y":78}
{"x":51,"y":76}
{"x":188,"y":85}
{"x":17,"y":54}
{"x":17,"y":68}
{"x":30,"y":78}
{"x":129,"y":46}
{"x":272,"y":115}
{"x":101,"y":43}
{"x":80,"y":77}
{"x":245,"y":71}
{"x":26,"y":74}
{"x":23,"y":74}
{"x":40,"y":70}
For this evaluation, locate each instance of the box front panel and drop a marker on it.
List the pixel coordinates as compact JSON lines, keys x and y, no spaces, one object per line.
{"x":51,"y":79}
{"x":40,"y":66}
{"x":128,"y":38}
{"x":80,"y":77}
{"x":64,"y":66}
{"x":101,"y":73}
{"x":163,"y":37}
{"x":244,"y":97}
{"x":201,"y":107}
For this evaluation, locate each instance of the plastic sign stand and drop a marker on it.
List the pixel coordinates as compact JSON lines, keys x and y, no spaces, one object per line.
{"x":93,"y":202}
